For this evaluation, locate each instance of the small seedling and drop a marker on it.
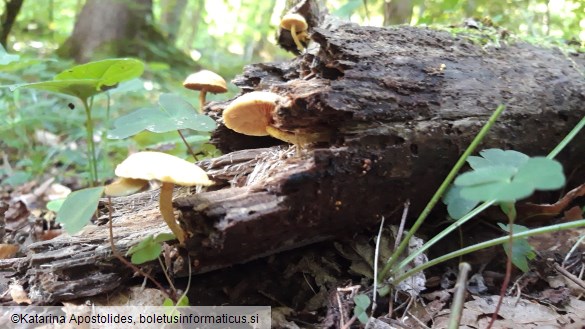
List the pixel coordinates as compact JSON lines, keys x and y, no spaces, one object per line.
{"x":148,"y":249}
{"x":85,"y":81}
{"x":362,"y":302}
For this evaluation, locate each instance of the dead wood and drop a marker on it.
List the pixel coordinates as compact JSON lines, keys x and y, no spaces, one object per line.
{"x":400,"y":104}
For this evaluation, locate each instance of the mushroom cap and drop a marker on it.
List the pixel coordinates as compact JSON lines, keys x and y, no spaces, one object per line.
{"x":206,"y":80}
{"x":163,"y":167}
{"x":294,"y":19}
{"x":251,"y":113}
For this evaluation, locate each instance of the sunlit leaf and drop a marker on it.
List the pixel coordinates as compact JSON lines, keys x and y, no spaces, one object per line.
{"x":86,"y":80}
{"x":78,"y":208}
{"x":108,"y":72}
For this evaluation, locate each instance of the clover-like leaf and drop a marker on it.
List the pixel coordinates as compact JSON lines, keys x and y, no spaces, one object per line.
{"x":174,"y":113}
{"x":509,"y":176}
{"x":497,"y":157}
{"x":78,"y":208}
{"x":149,"y":248}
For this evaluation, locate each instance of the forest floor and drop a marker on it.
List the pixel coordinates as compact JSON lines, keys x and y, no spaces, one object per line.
{"x":314,"y":286}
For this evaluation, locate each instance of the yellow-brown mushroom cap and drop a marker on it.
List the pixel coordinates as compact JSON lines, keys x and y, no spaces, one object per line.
{"x":294,"y":19}
{"x":163,"y":167}
{"x":206,"y":80}
{"x":251,"y":113}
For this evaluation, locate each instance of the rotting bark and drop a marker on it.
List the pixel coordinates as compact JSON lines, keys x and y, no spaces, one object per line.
{"x":398,"y":120}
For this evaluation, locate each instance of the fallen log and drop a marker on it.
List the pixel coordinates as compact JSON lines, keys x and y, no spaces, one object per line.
{"x":399,"y":104}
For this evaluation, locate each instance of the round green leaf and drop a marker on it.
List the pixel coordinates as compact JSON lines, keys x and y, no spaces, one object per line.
{"x":78,"y":208}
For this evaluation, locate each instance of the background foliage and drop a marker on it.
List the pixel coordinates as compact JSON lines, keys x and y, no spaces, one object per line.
{"x":41,"y":134}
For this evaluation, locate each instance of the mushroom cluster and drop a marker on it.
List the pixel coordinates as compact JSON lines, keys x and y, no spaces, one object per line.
{"x":141,"y":167}
{"x":252,"y":114}
{"x":297,"y":25}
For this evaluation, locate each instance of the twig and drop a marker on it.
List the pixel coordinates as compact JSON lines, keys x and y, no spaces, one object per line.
{"x":459,"y":296}
{"x":402,"y":223}
{"x":569,"y":276}
{"x":376,"y":256}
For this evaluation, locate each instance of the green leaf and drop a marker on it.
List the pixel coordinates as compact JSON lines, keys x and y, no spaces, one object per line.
{"x":78,"y":208}
{"x":6,"y":58}
{"x":485,"y":175}
{"x":508,"y":176}
{"x":148,"y":249}
{"x":522,"y":251}
{"x":457,"y":206}
{"x":55,"y":205}
{"x":362,"y":302}
{"x":86,"y":80}
{"x":542,"y":173}
{"x":174,"y":113}
{"x":80,"y":88}
{"x":108,"y":72}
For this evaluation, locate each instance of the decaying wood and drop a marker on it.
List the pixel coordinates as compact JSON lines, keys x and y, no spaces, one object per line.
{"x":400,"y":105}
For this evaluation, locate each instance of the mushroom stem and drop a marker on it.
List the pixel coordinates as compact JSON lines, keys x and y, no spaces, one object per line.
{"x":202,"y":95}
{"x":166,"y":210}
{"x":293,"y":32}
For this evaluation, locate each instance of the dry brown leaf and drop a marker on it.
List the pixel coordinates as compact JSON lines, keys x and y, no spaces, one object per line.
{"x":8,"y":250}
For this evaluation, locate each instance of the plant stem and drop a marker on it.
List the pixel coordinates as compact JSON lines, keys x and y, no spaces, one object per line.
{"x":189,"y":149}
{"x":487,"y":244}
{"x":437,"y":196}
{"x":459,"y":296}
{"x":568,"y":138}
{"x":444,"y":232}
{"x":90,"y":144}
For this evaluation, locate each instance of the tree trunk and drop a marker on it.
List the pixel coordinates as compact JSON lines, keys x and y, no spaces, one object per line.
{"x":172,"y":12}
{"x":8,"y":18}
{"x":118,"y":28}
{"x":397,"y":12}
{"x":399,"y":104}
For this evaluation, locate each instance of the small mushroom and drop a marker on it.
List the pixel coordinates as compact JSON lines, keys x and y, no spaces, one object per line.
{"x":205,"y":81}
{"x":169,"y":170}
{"x":297,"y":25}
{"x":251,"y":114}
